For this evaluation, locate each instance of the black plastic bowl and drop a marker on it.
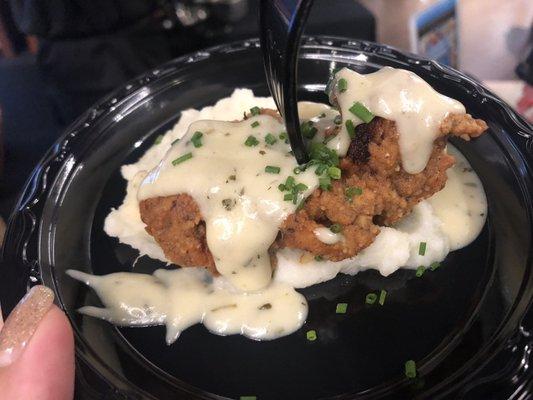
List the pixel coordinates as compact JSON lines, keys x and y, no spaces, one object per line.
{"x":463,"y":323}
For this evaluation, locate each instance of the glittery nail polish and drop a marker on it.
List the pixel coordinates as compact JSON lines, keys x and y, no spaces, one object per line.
{"x":23,"y":322}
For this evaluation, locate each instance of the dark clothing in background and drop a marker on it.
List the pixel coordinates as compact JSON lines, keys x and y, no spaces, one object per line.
{"x":89,"y":47}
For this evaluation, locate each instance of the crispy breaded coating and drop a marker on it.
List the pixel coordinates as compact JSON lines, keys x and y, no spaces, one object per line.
{"x":388,"y":193}
{"x":385,"y":194}
{"x":176,"y":224}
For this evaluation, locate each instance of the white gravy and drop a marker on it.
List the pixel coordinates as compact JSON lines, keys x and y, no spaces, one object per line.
{"x":462,"y":204}
{"x":239,"y":200}
{"x":184,"y":297}
{"x":326,"y":236}
{"x":397,"y":95}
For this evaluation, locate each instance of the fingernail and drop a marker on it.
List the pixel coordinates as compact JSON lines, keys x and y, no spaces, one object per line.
{"x":23,"y":322}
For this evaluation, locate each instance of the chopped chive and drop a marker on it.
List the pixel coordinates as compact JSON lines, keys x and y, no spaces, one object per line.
{"x":301,"y":187}
{"x":361,"y":112}
{"x":420,"y":271}
{"x":334,"y":172}
{"x":301,"y":205}
{"x":353,"y":191}
{"x":320,"y":169}
{"x":350,"y":128}
{"x":182,"y":158}
{"x":255,"y":124}
{"x":342,"y":85}
{"x":434,"y":265}
{"x":158,"y":139}
{"x":270,"y":139}
{"x":422,"y":248}
{"x":337,"y":120}
{"x":297,"y":170}
{"x":290,"y":182}
{"x":255,"y":111}
{"x":371,"y":298}
{"x":272,"y":169}
{"x":341,"y":308}
{"x":311,"y":335}
{"x":197,"y":139}
{"x":288,"y":197}
{"x":320,"y":153}
{"x":335,"y":228}
{"x":325,"y":183}
{"x":308,"y":130}
{"x":410,"y":369}
{"x":382,"y":297}
{"x":319,"y":258}
{"x":175,"y":141}
{"x":283,"y":135}
{"x":282,"y":187}
{"x":248,"y":398}
{"x":251,"y":141}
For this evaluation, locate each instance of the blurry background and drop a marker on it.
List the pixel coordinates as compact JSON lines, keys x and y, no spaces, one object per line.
{"x":57,"y":57}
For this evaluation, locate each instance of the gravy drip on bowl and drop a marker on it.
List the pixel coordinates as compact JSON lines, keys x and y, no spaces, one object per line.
{"x":462,"y":204}
{"x":188,"y":296}
{"x":400,"y":96}
{"x":233,"y":170}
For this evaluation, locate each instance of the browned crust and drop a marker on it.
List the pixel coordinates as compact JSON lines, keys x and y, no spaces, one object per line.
{"x":373,"y":164}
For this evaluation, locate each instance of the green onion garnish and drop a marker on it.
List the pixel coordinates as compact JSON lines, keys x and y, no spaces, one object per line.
{"x":248,"y":398}
{"x":371,"y":298}
{"x":311,"y":335}
{"x":382,"y":297}
{"x":319,"y":258}
{"x":270,"y":139}
{"x":335,"y":228}
{"x":361,"y":112}
{"x":420,"y":271}
{"x":297,"y":170}
{"x":251,"y":141}
{"x":325,"y":183}
{"x":341,"y":308}
{"x":197,"y":139}
{"x":434,"y":265}
{"x":422,"y":248}
{"x":282,"y":187}
{"x":308,"y":130}
{"x":342,"y":85}
{"x":175,"y":141}
{"x":320,"y":169}
{"x":320,"y":153}
{"x":301,"y":187}
{"x":255,"y":124}
{"x":323,"y":115}
{"x":181,"y":159}
{"x":288,"y":197}
{"x":255,"y":111}
{"x":272,"y":169}
{"x":158,"y":139}
{"x":410,"y":369}
{"x":334,"y":172}
{"x":350,"y":128}
{"x":290,"y":182}
{"x":283,"y":135}
{"x":337,"y":120}
{"x":353,"y":191}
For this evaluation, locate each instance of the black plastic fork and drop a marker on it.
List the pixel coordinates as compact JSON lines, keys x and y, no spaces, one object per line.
{"x":281,"y":25}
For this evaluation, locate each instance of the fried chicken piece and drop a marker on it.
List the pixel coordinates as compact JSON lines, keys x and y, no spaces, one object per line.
{"x":177,"y":225}
{"x":373,"y":164}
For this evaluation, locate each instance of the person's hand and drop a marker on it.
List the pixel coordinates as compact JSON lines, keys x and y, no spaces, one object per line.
{"x":36,"y":350}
